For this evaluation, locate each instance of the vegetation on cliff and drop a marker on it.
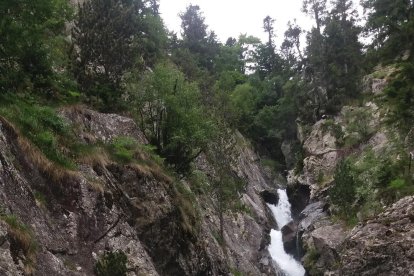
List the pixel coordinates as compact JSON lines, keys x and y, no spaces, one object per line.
{"x":188,"y":93}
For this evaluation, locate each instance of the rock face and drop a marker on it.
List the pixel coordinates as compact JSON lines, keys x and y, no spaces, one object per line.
{"x":383,"y":245}
{"x":246,"y":234}
{"x":58,"y":222}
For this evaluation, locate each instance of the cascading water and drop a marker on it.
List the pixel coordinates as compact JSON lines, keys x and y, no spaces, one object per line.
{"x":282,"y":214}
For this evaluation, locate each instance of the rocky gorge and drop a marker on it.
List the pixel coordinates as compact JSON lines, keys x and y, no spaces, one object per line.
{"x":55,"y":221}
{"x":60,"y":222}
{"x":381,"y":242}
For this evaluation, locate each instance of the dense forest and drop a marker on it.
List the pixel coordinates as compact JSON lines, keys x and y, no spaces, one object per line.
{"x":188,"y":92}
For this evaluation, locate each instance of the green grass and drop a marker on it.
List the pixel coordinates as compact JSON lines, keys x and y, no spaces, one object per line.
{"x":41,"y":125}
{"x":112,"y":264}
{"x":127,"y":150}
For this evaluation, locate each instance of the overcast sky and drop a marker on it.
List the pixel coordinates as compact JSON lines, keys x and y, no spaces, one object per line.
{"x":233,"y":17}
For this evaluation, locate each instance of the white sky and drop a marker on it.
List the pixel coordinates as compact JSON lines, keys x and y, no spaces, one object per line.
{"x":233,"y":17}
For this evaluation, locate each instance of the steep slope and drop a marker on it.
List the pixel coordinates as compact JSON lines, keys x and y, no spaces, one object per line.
{"x":377,"y":174}
{"x":59,"y":222}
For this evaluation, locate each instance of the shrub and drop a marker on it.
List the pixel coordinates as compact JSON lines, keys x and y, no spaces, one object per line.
{"x":310,"y":259}
{"x":112,"y":264}
{"x":358,"y":126}
{"x":123,"y":149}
{"x":399,"y":188}
{"x":343,"y":192}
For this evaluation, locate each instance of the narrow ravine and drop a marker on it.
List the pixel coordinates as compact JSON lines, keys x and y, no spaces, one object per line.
{"x":282,"y":214}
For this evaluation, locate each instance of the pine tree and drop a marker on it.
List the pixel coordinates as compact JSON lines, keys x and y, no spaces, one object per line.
{"x":110,"y":38}
{"x":391,"y":23}
{"x":316,"y":9}
{"x":202,"y":44}
{"x":343,"y":53}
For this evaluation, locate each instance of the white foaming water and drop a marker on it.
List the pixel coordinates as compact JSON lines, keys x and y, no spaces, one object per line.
{"x":282,"y":214}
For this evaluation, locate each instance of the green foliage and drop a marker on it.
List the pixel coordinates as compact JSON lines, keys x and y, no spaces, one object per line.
{"x":343,"y":192}
{"x":127,"y":150}
{"x":188,"y":209}
{"x":112,"y":264}
{"x":400,"y":98}
{"x":169,"y":111}
{"x":235,"y":272}
{"x":42,"y":126}
{"x":202,"y":45}
{"x":40,"y":198}
{"x":272,"y":165}
{"x":335,"y":55}
{"x":391,"y":24}
{"x":366,"y":181}
{"x":310,"y":260}
{"x":335,"y":129}
{"x":29,"y":34}
{"x":397,"y":184}
{"x":243,"y":104}
{"x":226,"y":186}
{"x":401,"y":187}
{"x":359,"y":125}
{"x":124,"y":149}
{"x":111,"y":37}
{"x":199,"y":182}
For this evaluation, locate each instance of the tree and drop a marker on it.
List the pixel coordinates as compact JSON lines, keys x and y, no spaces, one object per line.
{"x":268,"y":23}
{"x":268,"y":62}
{"x":343,"y":53}
{"x":169,"y":111}
{"x":316,"y":9}
{"x":201,"y":43}
{"x":29,"y":31}
{"x":334,"y":57}
{"x":194,"y":29}
{"x":226,"y":185}
{"x":111,"y":37}
{"x":391,"y":24}
{"x":291,"y":44}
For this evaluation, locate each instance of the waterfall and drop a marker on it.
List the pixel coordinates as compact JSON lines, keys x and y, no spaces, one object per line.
{"x":282,"y":214}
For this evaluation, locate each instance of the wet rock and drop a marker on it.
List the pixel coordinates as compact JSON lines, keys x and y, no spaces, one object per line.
{"x":290,"y":238}
{"x":298,"y":195}
{"x":270,"y":197}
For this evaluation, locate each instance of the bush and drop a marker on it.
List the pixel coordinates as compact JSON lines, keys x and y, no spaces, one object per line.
{"x":112,"y":264}
{"x":399,"y":188}
{"x":343,"y":192}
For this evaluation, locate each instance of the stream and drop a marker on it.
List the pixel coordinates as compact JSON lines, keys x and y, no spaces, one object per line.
{"x":282,"y":215}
